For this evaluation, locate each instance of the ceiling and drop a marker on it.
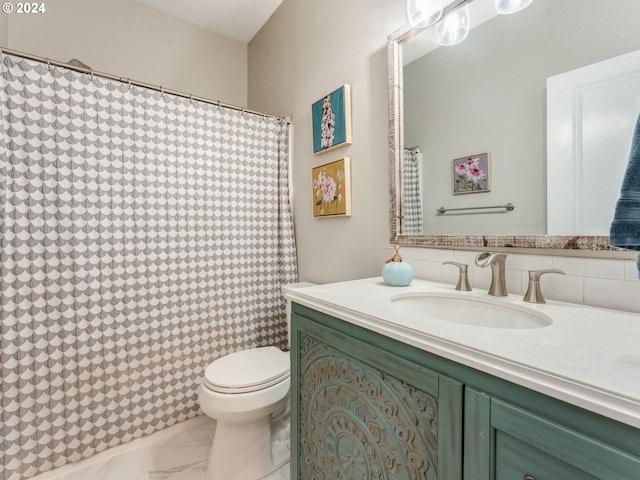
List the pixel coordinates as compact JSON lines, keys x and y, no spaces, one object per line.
{"x":236,"y":19}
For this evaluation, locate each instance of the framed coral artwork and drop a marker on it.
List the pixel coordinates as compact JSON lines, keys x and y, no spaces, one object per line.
{"x":471,"y":174}
{"x":332,"y":189}
{"x":331,"y":118}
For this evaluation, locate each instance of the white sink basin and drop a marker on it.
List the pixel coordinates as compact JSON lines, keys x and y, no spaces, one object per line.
{"x":470,"y":310}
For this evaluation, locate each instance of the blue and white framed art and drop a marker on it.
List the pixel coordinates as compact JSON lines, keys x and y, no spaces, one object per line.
{"x":331,"y":116}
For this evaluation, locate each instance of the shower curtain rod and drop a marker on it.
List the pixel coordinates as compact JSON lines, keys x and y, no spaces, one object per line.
{"x":157,"y":88}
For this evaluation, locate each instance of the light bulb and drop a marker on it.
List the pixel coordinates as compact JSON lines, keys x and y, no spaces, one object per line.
{"x":454,"y":27}
{"x":424,"y":13}
{"x":506,"y":7}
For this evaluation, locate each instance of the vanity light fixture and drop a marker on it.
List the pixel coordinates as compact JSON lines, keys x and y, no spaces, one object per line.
{"x":506,"y":7}
{"x":454,"y":27}
{"x":424,"y":13}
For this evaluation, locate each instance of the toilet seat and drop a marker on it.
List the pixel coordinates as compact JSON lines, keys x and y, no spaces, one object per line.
{"x":248,"y":370}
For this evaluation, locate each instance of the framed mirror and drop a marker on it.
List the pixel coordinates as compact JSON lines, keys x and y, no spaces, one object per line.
{"x":498,"y":97}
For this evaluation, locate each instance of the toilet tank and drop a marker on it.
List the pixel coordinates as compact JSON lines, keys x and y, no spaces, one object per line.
{"x":288,"y":288}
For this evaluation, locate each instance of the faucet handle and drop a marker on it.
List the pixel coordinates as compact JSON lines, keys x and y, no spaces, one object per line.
{"x":534,"y":292}
{"x":463,"y":279}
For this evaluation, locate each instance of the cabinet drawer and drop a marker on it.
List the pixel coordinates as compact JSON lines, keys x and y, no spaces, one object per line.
{"x":526,"y":444}
{"x":516,"y":459}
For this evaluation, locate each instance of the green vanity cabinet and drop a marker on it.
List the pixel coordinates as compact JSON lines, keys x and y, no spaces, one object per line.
{"x":363,"y":410}
{"x":507,"y":442}
{"x":365,"y":406}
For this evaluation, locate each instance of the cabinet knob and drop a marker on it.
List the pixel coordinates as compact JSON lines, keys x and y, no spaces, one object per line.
{"x":529,"y":477}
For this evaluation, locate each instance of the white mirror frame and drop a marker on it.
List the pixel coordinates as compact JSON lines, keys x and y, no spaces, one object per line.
{"x":578,"y":245}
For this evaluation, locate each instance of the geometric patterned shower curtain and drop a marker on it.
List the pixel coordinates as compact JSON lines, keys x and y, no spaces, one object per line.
{"x":143,"y":236}
{"x":411,"y":192}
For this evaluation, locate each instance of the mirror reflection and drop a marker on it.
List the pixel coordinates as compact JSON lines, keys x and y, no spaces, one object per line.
{"x":490,"y":97}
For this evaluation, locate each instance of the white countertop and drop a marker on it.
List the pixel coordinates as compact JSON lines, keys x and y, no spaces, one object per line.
{"x":589,"y":357}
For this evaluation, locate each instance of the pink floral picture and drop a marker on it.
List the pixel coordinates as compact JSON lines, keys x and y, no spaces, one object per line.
{"x":471,"y":174}
{"x":332,"y":189}
{"x":331,"y":120}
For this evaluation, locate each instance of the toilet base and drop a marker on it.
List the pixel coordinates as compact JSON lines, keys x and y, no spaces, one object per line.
{"x":241,"y":452}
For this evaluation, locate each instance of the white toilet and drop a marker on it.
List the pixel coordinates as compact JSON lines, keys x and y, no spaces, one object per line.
{"x":241,"y":391}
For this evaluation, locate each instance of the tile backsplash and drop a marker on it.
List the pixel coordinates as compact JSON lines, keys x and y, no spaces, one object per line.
{"x":609,"y":283}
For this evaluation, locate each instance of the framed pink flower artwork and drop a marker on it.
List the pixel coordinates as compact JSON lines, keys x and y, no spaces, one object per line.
{"x":331,"y":118}
{"x":471,"y":174}
{"x":332,"y":189}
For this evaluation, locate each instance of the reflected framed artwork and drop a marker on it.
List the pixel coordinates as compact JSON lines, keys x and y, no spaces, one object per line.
{"x":332,"y":189}
{"x":472,"y":174}
{"x":331,"y":118}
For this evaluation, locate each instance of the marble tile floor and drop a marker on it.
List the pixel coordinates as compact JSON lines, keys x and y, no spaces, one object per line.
{"x":179,"y":452}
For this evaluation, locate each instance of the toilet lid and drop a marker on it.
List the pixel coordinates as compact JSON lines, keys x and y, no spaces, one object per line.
{"x":248,"y":371}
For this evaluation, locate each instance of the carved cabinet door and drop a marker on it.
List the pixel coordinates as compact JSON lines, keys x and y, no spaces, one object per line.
{"x":361,"y":411}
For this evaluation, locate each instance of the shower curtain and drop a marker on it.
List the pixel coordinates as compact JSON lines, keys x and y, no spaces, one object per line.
{"x":143,"y":236}
{"x":411,"y":192}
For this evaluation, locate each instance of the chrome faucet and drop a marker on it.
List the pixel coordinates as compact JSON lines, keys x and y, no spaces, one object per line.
{"x":497,"y":261}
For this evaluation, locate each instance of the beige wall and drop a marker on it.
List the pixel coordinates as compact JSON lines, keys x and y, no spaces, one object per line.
{"x":126,"y":38}
{"x":306,"y":50}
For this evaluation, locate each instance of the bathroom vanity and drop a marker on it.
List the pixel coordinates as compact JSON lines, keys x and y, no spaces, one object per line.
{"x":384,"y":386}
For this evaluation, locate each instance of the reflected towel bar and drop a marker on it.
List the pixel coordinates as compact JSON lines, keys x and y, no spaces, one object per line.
{"x":508,"y":208}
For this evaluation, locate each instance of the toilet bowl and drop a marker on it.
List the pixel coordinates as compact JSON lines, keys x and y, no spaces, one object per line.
{"x":241,"y":391}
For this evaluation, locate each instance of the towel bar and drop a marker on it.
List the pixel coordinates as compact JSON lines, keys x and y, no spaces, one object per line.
{"x":508,"y":208}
